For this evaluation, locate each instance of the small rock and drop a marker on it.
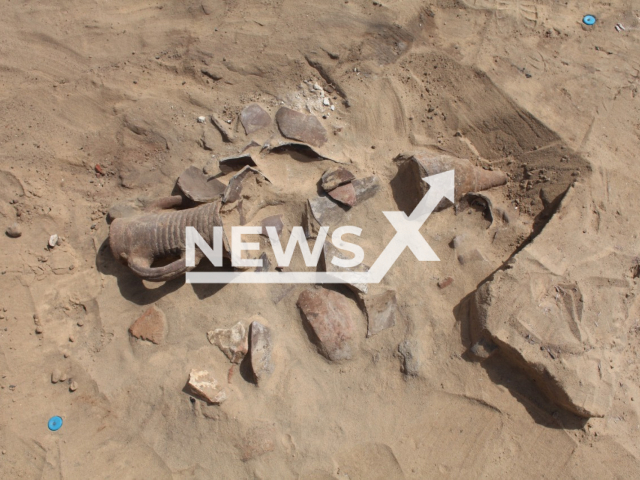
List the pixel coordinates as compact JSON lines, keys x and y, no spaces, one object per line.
{"x":298,"y":126}
{"x":325,"y":102}
{"x":56,"y":376}
{"x":445,"y":282}
{"x":53,"y":240}
{"x":63,"y":377}
{"x":381,"y":311}
{"x":327,"y":312}
{"x":39,"y":329}
{"x":457,"y":241}
{"x":73,"y":386}
{"x":254,"y":118}
{"x":150,"y":326}
{"x":206,"y":387}
{"x":272,"y":221}
{"x":336,"y":176}
{"x":202,"y":119}
{"x":212,"y":167}
{"x":233,"y":341}
{"x":72,"y":338}
{"x":14,"y":230}
{"x":410,"y":351}
{"x":66,"y":354}
{"x":261,"y":348}
{"x":80,"y":323}
{"x":345,"y":194}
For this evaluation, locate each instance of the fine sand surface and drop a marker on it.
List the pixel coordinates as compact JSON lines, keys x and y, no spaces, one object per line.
{"x":519,"y":86}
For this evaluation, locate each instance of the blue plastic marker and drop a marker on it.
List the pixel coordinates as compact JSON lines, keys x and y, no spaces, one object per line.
{"x":55,"y":423}
{"x":588,"y":19}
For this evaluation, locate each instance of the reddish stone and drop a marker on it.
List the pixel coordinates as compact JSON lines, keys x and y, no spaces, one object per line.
{"x":445,"y":282}
{"x":328,"y":315}
{"x":345,"y":194}
{"x":336,"y":176}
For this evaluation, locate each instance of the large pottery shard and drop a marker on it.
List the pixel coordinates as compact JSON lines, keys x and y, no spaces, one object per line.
{"x":328,"y":315}
{"x":298,"y":126}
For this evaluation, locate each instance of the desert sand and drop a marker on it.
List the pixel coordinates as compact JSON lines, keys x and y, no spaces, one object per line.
{"x":514,"y":356}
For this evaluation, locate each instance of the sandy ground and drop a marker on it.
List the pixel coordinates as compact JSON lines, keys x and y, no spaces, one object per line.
{"x":519,"y":86}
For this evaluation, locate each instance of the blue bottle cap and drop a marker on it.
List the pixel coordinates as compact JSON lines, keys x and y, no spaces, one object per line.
{"x":588,"y":19}
{"x":55,"y":423}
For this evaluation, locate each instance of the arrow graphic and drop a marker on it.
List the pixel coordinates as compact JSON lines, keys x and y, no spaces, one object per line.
{"x":442,"y":185}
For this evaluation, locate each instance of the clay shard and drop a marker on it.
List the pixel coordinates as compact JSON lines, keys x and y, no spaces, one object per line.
{"x":199,"y":187}
{"x":381,"y":311}
{"x":345,"y":194}
{"x":151,"y":326}
{"x":336,"y":176}
{"x":327,"y":212}
{"x":261,"y":348}
{"x":301,"y":127}
{"x":254,"y":118}
{"x":327,"y":312}
{"x":412,"y":168}
{"x":233,"y":342}
{"x":203,"y":385}
{"x":237,"y":183}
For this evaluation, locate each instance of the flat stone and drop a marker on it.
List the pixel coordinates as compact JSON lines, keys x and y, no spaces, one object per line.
{"x":272,"y":221}
{"x":199,"y":187}
{"x":336,"y":176}
{"x":445,"y":282}
{"x":151,"y":326}
{"x":410,"y":351}
{"x":253,"y":118}
{"x":327,"y":312}
{"x":328,"y":213}
{"x":381,"y":311}
{"x":260,"y":350}
{"x":233,"y":342}
{"x":345,"y":194}
{"x":14,"y":230}
{"x":301,"y":127}
{"x":203,"y":385}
